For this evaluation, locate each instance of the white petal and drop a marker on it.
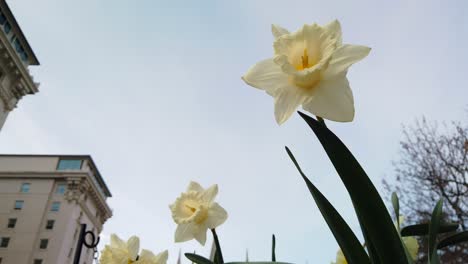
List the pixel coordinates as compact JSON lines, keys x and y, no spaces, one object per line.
{"x":116,"y":242}
{"x":133,"y":245}
{"x":119,"y":256}
{"x":210,"y":193}
{"x":334,"y":29}
{"x":343,"y":58}
{"x":200,"y":236}
{"x":146,"y":256}
{"x":216,"y":216}
{"x":265,"y":75}
{"x":194,"y":186}
{"x":278,"y":31}
{"x":283,"y":62}
{"x":106,"y":255}
{"x":184,"y":232}
{"x":162,"y":257}
{"x":333,"y":100}
{"x":286,"y":103}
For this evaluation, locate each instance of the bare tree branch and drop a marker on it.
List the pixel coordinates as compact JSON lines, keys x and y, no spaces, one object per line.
{"x":433,"y":164}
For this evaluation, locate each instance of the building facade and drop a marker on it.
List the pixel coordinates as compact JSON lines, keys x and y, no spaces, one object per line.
{"x":44,"y":200}
{"x":15,"y":58}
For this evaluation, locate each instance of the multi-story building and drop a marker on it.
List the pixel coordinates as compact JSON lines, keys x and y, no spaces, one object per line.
{"x":15,"y":57}
{"x":44,"y":201}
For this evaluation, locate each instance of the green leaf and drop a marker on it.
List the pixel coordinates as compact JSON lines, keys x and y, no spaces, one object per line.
{"x":373,"y":255}
{"x":349,"y":244}
{"x":396,"y":209}
{"x":433,"y":231}
{"x":434,"y":259}
{"x":454,"y":239}
{"x":218,"y":254}
{"x":273,"y":248}
{"x":367,"y":202}
{"x":197,"y":258}
{"x":423,"y":229}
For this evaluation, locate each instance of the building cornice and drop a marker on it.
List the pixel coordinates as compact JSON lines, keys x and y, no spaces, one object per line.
{"x":79,"y":186}
{"x":22,"y":81}
{"x":78,"y":156}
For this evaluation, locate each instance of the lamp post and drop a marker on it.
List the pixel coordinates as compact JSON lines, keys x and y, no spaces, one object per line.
{"x":82,"y":241}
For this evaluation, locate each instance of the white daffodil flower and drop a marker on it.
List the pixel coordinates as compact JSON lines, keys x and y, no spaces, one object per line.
{"x":195,"y":212}
{"x":121,"y":252}
{"x":309,"y":68}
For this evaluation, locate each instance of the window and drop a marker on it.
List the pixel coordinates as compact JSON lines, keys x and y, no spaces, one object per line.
{"x":17,"y":44}
{"x":50,"y":224}
{"x":25,"y":187}
{"x":11,"y":223}
{"x":43,"y":243}
{"x":4,"y":241}
{"x":19,"y":204}
{"x":2,"y":19}
{"x":24,"y":56}
{"x":61,"y":188}
{"x":55,"y":207}
{"x":69,"y":164}
{"x":7,"y":28}
{"x":38,"y":261}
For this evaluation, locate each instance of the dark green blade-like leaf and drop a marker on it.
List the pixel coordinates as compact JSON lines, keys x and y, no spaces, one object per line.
{"x":273,"y":248}
{"x":218,"y":254}
{"x":423,"y":229}
{"x":367,"y":201}
{"x":197,"y":258}
{"x":217,"y":259}
{"x":435,"y":258}
{"x":373,"y":255}
{"x":349,"y":244}
{"x":434,"y":231}
{"x":396,"y":209}
{"x":453,"y":240}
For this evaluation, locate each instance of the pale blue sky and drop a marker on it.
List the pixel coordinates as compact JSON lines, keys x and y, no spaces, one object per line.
{"x":152,"y":90}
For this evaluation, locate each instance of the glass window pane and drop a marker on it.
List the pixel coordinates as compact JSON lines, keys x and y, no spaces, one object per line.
{"x":2,"y":19}
{"x":38,"y":261}
{"x":43,"y":244}
{"x":24,"y":56}
{"x":7,"y":28}
{"x":55,"y":207}
{"x":4,"y":241}
{"x":50,"y":224}
{"x":25,"y":187}
{"x":19,"y":204}
{"x":17,"y":45}
{"x":61,"y":188}
{"x":69,"y":164}
{"x":11,"y":223}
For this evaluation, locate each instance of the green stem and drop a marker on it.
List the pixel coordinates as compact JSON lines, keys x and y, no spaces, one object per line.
{"x":321,"y":121}
{"x":273,"y":248}
{"x":218,"y":253}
